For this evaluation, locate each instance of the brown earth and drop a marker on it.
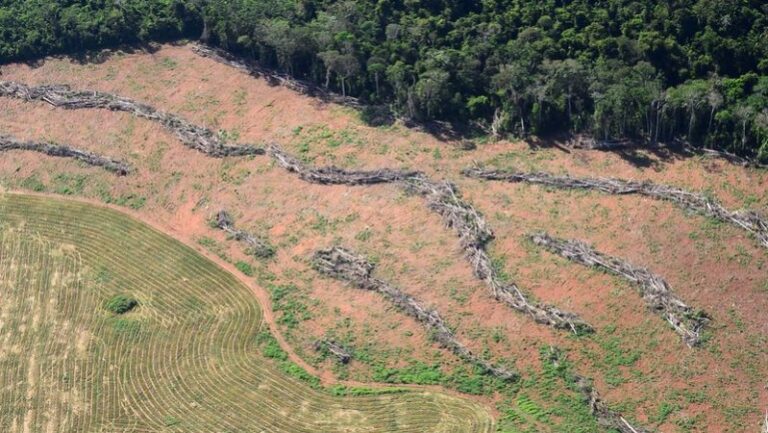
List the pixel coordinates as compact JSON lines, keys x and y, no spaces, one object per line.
{"x":721,"y":387}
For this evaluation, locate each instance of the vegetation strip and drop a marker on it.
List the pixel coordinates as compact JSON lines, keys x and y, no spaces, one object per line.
{"x":749,"y":220}
{"x":193,"y":136}
{"x":605,"y":416}
{"x":684,"y":319}
{"x":443,"y":198}
{"x":256,"y":246}
{"x":118,"y":167}
{"x":345,"y":265}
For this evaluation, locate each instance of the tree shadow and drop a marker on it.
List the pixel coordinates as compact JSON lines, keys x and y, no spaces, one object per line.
{"x":97,"y":56}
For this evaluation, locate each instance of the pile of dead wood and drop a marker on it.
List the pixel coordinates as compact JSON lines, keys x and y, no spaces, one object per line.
{"x":749,"y":220}
{"x":251,"y":68}
{"x":333,"y":175}
{"x":684,"y":319}
{"x":255,"y":246}
{"x":345,"y":265}
{"x":474,"y":234}
{"x":341,"y":353}
{"x":605,"y":416}
{"x":117,"y":167}
{"x":196,"y":137}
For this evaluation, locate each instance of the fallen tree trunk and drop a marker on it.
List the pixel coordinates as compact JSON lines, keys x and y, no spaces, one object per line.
{"x":684,"y":319}
{"x":749,"y":220}
{"x":333,"y":175}
{"x":605,"y":416}
{"x":338,"y":351}
{"x":117,"y":167}
{"x":193,"y":136}
{"x":255,"y":246}
{"x":765,"y":423}
{"x":473,"y":231}
{"x":345,"y":265}
{"x":251,"y":68}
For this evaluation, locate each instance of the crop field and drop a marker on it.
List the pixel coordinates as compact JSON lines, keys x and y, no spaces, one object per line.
{"x":189,"y":353}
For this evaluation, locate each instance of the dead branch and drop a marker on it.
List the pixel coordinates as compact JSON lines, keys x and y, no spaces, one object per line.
{"x":749,"y":220}
{"x":193,"y":136}
{"x":684,"y":319}
{"x":606,"y":417}
{"x":333,"y":175}
{"x":255,"y":246}
{"x":340,"y":352}
{"x":253,"y":69}
{"x":118,"y":167}
{"x":345,"y":265}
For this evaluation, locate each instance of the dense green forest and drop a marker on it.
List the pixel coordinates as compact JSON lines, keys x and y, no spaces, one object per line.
{"x":653,"y":71}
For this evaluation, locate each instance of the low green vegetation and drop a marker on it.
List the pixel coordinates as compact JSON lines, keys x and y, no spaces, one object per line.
{"x":121,"y":304}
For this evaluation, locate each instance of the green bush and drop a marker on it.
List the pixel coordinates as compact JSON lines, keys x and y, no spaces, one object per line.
{"x":121,"y":304}
{"x":244,"y":268}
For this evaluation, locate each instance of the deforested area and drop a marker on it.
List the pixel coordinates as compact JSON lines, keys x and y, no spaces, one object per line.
{"x":474,"y":234}
{"x":118,"y":167}
{"x":62,"y":96}
{"x":684,"y":319}
{"x":750,"y":220}
{"x":443,"y":198}
{"x":394,"y":193}
{"x":345,"y":265}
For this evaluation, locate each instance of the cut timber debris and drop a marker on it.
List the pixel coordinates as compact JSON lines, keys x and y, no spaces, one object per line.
{"x":443,"y":198}
{"x":117,"y":167}
{"x":345,"y":265}
{"x":685,"y":320}
{"x":605,"y":416}
{"x":474,"y":234}
{"x":251,"y":68}
{"x":255,"y":246}
{"x":333,"y":175}
{"x":338,"y":351}
{"x":765,"y":423}
{"x":193,"y":136}
{"x":749,"y":220}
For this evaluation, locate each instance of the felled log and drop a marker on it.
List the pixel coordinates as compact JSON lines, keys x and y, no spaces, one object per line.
{"x":193,"y":136}
{"x":255,"y":246}
{"x":253,"y":69}
{"x":474,"y":234}
{"x":333,"y":175}
{"x":605,"y":416}
{"x":338,"y":351}
{"x":655,"y":291}
{"x":750,"y":220}
{"x":345,"y":265}
{"x":765,"y":423}
{"x":118,"y":167}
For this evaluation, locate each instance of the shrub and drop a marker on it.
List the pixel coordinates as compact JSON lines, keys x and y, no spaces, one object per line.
{"x":244,"y":268}
{"x":121,"y":304}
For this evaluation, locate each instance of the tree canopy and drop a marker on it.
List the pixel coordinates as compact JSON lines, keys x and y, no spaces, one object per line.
{"x":695,"y":70}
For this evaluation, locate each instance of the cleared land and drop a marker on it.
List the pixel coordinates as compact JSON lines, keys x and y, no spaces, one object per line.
{"x":187,"y":358}
{"x":639,"y":365}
